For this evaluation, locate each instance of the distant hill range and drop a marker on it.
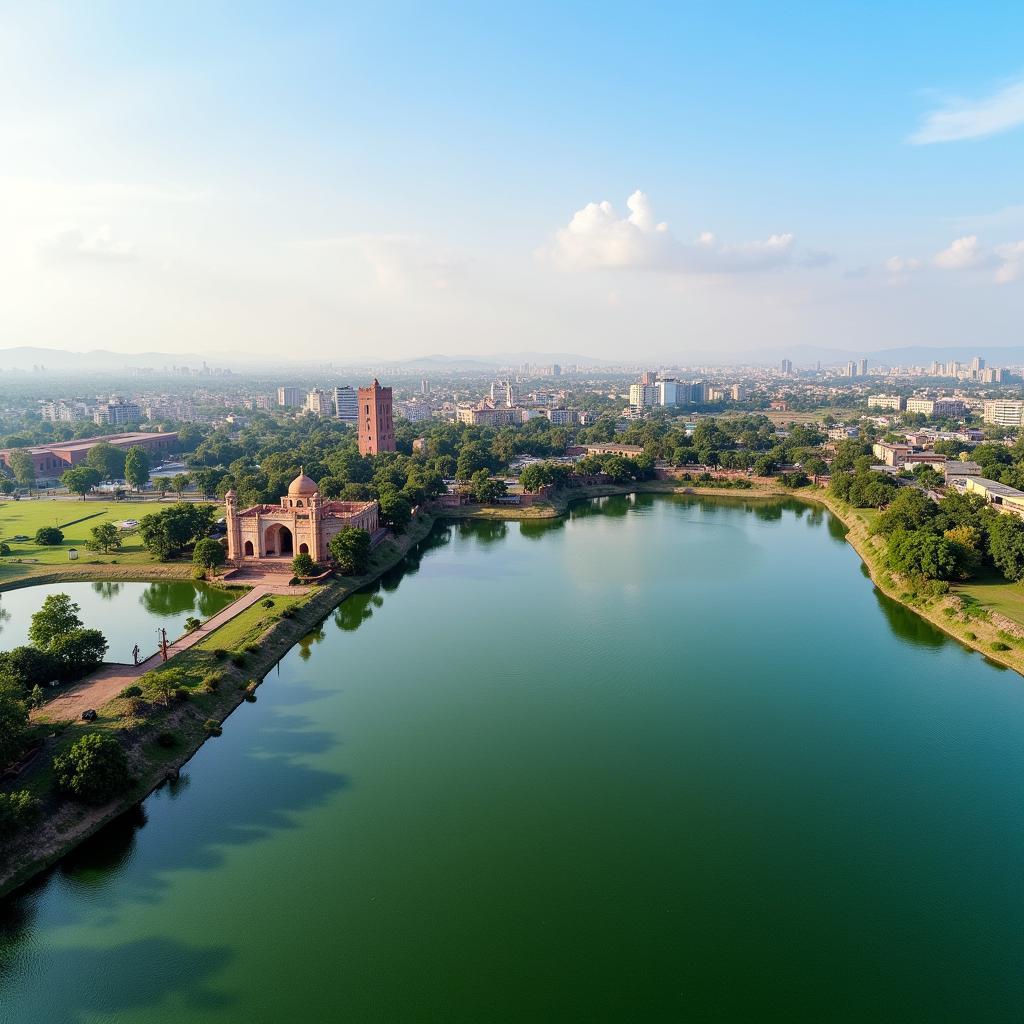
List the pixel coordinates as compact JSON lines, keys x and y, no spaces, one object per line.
{"x":103,"y":361}
{"x":26,"y":357}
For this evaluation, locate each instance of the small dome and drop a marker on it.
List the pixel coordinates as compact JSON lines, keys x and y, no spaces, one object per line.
{"x":302,"y":485}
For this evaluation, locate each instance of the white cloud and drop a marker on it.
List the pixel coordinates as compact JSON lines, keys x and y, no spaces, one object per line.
{"x":901,"y":265}
{"x":964,"y":119}
{"x":963,"y":254}
{"x":72,"y":245}
{"x":1012,"y":267}
{"x":597,"y":238}
{"x":968,"y":253}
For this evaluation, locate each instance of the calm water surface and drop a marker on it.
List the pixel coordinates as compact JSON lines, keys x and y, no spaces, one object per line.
{"x":125,"y":613}
{"x":672,"y":760}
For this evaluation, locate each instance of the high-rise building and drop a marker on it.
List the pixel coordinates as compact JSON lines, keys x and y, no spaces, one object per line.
{"x":504,"y":392}
{"x":786,"y":365}
{"x":642,"y":396}
{"x":376,"y":425}
{"x":319,"y":402}
{"x":977,"y":363}
{"x":649,"y":377}
{"x":424,"y":387}
{"x":672,"y":392}
{"x":289,"y":397}
{"x":862,"y":368}
{"x":117,"y":412}
{"x":1004,"y":412}
{"x":738,"y":393}
{"x":346,"y":404}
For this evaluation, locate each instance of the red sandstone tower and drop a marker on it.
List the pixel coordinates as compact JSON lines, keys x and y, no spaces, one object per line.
{"x":376,"y":427}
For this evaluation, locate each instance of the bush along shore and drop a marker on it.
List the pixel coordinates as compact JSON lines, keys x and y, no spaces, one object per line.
{"x":70,"y":789}
{"x":985,"y":630}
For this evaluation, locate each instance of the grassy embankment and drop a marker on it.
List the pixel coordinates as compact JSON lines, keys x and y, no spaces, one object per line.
{"x":986,"y":614}
{"x":162,"y":731}
{"x":561,"y":500}
{"x":36,"y":563}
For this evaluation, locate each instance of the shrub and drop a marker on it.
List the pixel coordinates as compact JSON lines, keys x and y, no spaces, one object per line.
{"x":95,"y":769}
{"x":238,"y":659}
{"x":970,"y":635}
{"x":212,"y":680}
{"x":49,"y":535}
{"x":252,"y":648}
{"x":287,"y":613}
{"x":181,"y":694}
{"x":212,"y":727}
{"x":303,"y":565}
{"x":167,"y":740}
{"x":267,"y":602}
{"x":17,"y":811}
{"x":131,"y":691}
{"x":998,"y":645}
{"x":220,"y":654}
{"x":5,"y":549}
{"x":192,"y":624}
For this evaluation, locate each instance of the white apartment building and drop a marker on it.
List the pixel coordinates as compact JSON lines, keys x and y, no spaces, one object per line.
{"x":1003,"y":412}
{"x":895,"y":402}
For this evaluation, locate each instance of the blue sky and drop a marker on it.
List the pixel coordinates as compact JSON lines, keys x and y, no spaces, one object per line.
{"x":414,"y":178}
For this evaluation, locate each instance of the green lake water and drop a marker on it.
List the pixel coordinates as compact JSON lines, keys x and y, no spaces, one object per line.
{"x":671,"y":760}
{"x":125,"y":613}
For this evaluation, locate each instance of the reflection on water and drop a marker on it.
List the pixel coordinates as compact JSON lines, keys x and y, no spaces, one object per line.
{"x":694,"y":782}
{"x":107,"y":589}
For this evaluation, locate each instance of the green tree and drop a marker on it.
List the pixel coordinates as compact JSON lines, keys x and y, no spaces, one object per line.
{"x":95,"y":769}
{"x":106,"y":460}
{"x":23,"y":468}
{"x":209,"y":555}
{"x":5,"y":548}
{"x":59,"y":614}
{"x":303,"y":565}
{"x":1006,"y":545}
{"x":485,"y":489}
{"x":80,"y":480}
{"x":13,"y":723}
{"x":167,"y":533}
{"x":395,"y":509}
{"x":350,"y":549}
{"x":136,"y":467}
{"x":18,"y":810}
{"x":28,"y":666}
{"x":49,"y":536}
{"x":106,"y":537}
{"x":910,"y":509}
{"x":180,"y":483}
{"x":918,"y":553}
{"x":79,"y":650}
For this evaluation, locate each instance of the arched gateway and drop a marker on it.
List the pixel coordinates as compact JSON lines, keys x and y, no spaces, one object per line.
{"x":302,"y":521}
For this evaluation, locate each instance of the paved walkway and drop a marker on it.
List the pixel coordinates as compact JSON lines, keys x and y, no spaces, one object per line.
{"x":106,"y":683}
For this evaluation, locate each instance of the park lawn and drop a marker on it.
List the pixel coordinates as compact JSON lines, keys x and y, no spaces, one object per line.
{"x":25,"y":517}
{"x":246,"y":627}
{"x":994,"y":593}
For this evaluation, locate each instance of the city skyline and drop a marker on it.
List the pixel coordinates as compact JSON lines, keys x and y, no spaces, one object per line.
{"x":393,"y":184}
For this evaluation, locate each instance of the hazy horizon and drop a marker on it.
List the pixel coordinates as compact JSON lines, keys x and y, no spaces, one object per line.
{"x":308,"y":183}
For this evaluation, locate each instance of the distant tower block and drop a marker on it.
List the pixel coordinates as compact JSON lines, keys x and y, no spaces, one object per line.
{"x":376,"y":426}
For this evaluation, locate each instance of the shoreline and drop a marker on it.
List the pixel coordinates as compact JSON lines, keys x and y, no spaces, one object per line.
{"x":79,"y":823}
{"x":71,"y":823}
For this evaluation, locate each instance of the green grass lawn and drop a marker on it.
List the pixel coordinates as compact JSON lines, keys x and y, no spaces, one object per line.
{"x":247,"y":626}
{"x":25,"y":517}
{"x":994,"y":593}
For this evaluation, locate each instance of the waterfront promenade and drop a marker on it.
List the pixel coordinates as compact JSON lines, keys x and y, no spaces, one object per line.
{"x":108,"y":681}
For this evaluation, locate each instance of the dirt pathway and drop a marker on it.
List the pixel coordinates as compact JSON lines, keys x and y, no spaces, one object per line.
{"x":106,"y":683}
